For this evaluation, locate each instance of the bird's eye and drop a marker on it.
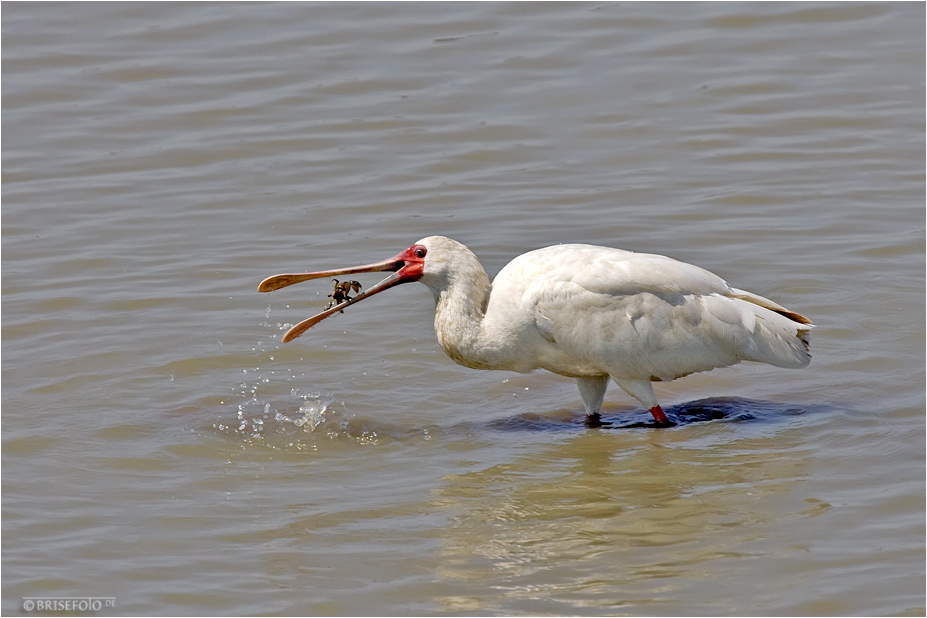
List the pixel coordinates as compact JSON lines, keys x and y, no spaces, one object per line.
{"x":420,"y":251}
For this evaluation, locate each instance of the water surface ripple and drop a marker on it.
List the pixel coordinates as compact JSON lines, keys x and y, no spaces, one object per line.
{"x":161,"y":446}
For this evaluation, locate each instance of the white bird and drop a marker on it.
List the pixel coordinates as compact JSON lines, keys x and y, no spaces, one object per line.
{"x":585,"y":312}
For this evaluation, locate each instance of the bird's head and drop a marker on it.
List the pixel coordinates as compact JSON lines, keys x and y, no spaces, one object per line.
{"x":448,"y":263}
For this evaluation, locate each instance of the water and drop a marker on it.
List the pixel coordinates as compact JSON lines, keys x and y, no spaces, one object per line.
{"x":162,"y":447}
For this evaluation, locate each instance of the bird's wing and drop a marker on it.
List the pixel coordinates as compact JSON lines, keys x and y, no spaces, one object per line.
{"x":640,"y":316}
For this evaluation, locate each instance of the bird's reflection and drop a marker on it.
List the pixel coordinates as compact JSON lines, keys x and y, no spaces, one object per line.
{"x":620,"y":514}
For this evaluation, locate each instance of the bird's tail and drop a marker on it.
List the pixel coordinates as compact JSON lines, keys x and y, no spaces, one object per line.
{"x":781,"y":337}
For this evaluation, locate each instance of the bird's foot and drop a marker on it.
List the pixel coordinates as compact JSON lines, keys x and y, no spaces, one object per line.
{"x":594,"y":420}
{"x":659,"y":416}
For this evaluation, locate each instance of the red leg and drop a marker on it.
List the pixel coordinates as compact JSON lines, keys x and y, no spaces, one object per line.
{"x":660,"y":417}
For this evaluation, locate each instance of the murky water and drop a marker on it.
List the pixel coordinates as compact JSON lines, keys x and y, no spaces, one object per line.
{"x":161,"y":446}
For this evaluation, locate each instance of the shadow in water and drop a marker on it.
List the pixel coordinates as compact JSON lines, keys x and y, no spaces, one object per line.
{"x":724,"y":409}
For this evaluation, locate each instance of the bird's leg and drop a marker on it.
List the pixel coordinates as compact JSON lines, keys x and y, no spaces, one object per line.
{"x":592,"y":390}
{"x":642,"y":390}
{"x":660,"y":417}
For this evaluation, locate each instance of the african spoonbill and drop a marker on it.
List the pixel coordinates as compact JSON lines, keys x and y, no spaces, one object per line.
{"x":585,"y":312}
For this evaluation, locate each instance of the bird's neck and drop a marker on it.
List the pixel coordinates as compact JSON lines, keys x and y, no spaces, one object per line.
{"x":459,"y":314}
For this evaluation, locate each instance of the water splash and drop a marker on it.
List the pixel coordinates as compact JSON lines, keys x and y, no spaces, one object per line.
{"x":310,"y":415}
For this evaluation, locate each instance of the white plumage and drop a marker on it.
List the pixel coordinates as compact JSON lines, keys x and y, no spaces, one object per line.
{"x":587,"y":312}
